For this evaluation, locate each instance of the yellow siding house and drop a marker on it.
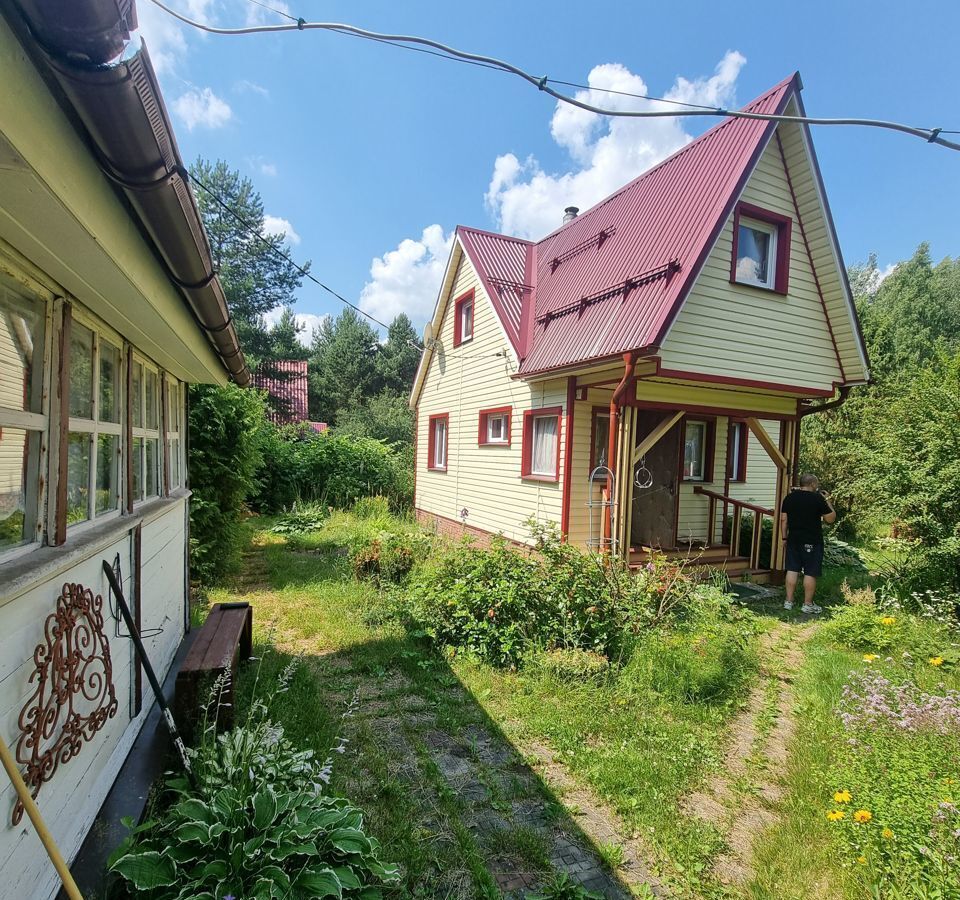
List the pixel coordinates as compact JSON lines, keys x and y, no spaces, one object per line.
{"x":639,"y":375}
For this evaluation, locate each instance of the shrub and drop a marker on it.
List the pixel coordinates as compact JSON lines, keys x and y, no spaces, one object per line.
{"x":328,"y":468}
{"x":389,"y":557}
{"x":225,"y":454}
{"x":257,"y":825}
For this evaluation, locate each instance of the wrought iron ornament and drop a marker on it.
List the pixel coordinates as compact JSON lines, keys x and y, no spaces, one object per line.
{"x":74,"y":695}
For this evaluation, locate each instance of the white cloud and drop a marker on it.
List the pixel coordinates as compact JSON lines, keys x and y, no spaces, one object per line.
{"x":407,"y":280}
{"x":276,"y":225}
{"x":608,"y":152}
{"x":165,"y":36}
{"x":245,"y":86}
{"x":307,"y":321}
{"x":884,"y":273}
{"x":268,"y":168}
{"x":202,"y":107}
{"x":257,"y":15}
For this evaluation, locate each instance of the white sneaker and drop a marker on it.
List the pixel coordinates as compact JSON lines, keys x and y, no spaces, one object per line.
{"x":811,"y":609}
{"x":788,"y":604}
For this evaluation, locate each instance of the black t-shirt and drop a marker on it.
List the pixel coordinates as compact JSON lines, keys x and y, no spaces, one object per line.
{"x":804,"y":510}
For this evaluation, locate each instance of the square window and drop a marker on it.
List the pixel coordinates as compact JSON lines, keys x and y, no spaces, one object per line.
{"x":756,"y":253}
{"x":495,"y":426}
{"x":541,"y":444}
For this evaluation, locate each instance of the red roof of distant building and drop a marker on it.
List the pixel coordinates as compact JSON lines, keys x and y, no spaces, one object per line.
{"x":285,"y":381}
{"x":613,"y":278}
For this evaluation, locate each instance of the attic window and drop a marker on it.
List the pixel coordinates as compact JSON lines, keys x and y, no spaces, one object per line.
{"x":463,"y":319}
{"x":761,"y":248}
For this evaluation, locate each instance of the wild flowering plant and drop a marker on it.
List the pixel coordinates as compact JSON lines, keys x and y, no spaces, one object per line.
{"x":871,"y":700}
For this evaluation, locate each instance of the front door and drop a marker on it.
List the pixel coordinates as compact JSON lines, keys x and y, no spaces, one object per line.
{"x":654,"y":513}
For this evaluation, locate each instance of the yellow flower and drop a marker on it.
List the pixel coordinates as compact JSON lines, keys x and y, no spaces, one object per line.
{"x":936,"y":660}
{"x":869,"y":657}
{"x":862,"y":860}
{"x":887,"y":620}
{"x":842,"y":797}
{"x":835,"y":815}
{"x":862,"y":816}
{"x":887,"y":834}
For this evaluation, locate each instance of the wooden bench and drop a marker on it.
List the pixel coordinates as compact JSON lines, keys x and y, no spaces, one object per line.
{"x":224,"y":640}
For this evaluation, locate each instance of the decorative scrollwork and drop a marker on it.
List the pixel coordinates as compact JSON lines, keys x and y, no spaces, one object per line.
{"x":74,"y":695}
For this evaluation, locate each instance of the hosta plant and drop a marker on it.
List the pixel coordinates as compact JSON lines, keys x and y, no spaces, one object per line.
{"x":257,"y":825}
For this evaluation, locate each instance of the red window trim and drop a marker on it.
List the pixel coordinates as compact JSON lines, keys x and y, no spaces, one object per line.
{"x":742,"y":454}
{"x":598,"y":411}
{"x":482,"y":429}
{"x":458,"y":304}
{"x":709,"y":448}
{"x":526,"y":456}
{"x":784,"y":225}
{"x":432,"y":440}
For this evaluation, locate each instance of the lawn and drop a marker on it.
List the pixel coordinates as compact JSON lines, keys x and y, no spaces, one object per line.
{"x":656,"y":777}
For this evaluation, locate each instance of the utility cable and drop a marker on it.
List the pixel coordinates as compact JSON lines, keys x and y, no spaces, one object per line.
{"x":542,"y":83}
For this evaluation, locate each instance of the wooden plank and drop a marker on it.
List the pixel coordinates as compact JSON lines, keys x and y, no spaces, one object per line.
{"x":651,"y":440}
{"x":773,"y":451}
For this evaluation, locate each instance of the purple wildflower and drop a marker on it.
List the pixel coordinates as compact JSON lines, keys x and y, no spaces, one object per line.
{"x":870,"y":700}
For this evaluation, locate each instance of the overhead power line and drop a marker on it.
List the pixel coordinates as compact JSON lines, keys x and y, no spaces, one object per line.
{"x":542,"y":83}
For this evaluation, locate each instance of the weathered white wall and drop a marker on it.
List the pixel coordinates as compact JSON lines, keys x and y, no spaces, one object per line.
{"x":70,"y":801}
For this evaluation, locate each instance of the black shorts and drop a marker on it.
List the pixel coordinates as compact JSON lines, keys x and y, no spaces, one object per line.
{"x":806,"y":558}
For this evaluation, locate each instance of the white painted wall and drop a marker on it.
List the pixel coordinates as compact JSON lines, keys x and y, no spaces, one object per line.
{"x":71,"y":800}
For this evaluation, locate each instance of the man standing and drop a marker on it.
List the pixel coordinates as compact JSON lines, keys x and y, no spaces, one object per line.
{"x":803,"y":511}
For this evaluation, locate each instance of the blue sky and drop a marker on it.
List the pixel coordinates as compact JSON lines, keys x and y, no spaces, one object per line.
{"x":371,"y":155}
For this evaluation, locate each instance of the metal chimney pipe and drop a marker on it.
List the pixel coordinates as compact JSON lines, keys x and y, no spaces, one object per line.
{"x":570,"y":213}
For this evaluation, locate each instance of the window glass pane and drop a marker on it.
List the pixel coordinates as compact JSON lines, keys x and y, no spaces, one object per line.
{"x":108,"y":468}
{"x":150,"y":399}
{"x":153,"y":467}
{"x":693,"y":450}
{"x":81,"y":371}
{"x":497,"y":428}
{"x":174,"y":463}
{"x":753,"y":255}
{"x":137,"y":391}
{"x":440,"y":443}
{"x":137,"y":468}
{"x":173,"y":394}
{"x":735,"y":452}
{"x":601,"y":440}
{"x":21,"y":351}
{"x":78,"y":477}
{"x":19,"y":464}
{"x":109,"y":382}
{"x":467,"y":320}
{"x":544,"y":458}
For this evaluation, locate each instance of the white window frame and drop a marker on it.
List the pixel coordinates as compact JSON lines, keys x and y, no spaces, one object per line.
{"x":736,"y":444}
{"x":504,"y":436}
{"x":23,"y":420}
{"x":773,"y":231}
{"x":94,"y":427}
{"x":705,"y":433}
{"x":463,"y":308}
{"x":439,"y":461}
{"x":176,"y":391}
{"x":144,"y":434}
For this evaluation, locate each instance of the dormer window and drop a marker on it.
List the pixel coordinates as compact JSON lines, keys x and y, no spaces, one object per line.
{"x":463,"y":319}
{"x":761,"y":248}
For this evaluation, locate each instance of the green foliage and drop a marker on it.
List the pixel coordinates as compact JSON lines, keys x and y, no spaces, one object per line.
{"x":300,"y":519}
{"x":254,"y":279}
{"x":569,"y":664}
{"x":257,"y":825}
{"x":304,"y":466}
{"x":386,"y":417}
{"x":562,"y":887}
{"x":225,"y":455}
{"x":389,"y":557}
{"x":503,"y":603}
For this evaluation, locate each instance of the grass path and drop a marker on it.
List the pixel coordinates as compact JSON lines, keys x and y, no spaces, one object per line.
{"x":744,"y":798}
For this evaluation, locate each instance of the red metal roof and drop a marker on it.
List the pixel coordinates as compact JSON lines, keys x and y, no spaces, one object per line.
{"x":286,"y":383}
{"x":652,"y":235}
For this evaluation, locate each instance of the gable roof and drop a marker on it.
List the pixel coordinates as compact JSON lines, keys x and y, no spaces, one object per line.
{"x":614,"y":278}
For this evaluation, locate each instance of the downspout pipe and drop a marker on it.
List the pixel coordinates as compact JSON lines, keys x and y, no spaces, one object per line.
{"x":809,"y":411}
{"x":99,"y":61}
{"x":616,"y":402}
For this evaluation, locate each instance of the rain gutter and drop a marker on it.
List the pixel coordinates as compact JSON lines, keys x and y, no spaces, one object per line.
{"x":101,"y":64}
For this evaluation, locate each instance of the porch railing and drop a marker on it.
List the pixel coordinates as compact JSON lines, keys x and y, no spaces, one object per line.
{"x":739,"y":509}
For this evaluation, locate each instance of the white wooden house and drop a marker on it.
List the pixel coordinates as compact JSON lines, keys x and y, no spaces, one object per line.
{"x":109,"y":307}
{"x":703,"y":309}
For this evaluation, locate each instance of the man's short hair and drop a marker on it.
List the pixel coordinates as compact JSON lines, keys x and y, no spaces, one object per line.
{"x":809,"y":479}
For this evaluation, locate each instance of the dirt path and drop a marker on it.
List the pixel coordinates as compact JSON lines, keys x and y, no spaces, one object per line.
{"x":743,"y":798}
